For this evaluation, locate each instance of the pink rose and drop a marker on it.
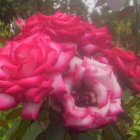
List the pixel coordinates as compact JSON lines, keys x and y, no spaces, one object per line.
{"x":128,"y":65}
{"x":66,"y":28}
{"x":27,"y":69}
{"x":46,"y":60}
{"x":89,"y":95}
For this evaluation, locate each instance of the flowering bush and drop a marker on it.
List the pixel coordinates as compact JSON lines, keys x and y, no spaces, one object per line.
{"x":71,"y":66}
{"x":128,"y":65}
{"x":87,"y":100}
{"x":28,"y":67}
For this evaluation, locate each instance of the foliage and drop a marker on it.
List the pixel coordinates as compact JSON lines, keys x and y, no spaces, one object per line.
{"x":123,"y":25}
{"x":24,"y":8}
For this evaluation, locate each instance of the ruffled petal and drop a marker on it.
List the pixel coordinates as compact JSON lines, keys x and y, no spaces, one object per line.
{"x":72,"y":110}
{"x":30,"y":109}
{"x":102,"y":94}
{"x":6,"y":101}
{"x":115,"y":107}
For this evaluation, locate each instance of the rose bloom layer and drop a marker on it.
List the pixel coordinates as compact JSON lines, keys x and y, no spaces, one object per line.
{"x":70,"y":62}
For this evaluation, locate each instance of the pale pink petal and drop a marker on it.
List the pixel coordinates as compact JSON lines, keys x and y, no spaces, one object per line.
{"x":115,"y":107}
{"x":79,"y":70}
{"x":58,"y":84}
{"x":6,"y":101}
{"x":102,"y":94}
{"x":72,"y":110}
{"x":31,"y":109}
{"x":69,"y":81}
{"x":99,"y":112}
{"x":82,"y":124}
{"x":75,"y":60}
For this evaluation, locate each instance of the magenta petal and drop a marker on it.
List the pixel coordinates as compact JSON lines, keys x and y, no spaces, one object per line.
{"x":30,"y":82}
{"x":32,"y":92}
{"x":115,"y":107}
{"x":30,"y":109}
{"x":42,"y":94}
{"x":6,"y":101}
{"x":5,"y":83}
{"x":14,"y":89}
{"x":88,"y":49}
{"x":136,"y":85}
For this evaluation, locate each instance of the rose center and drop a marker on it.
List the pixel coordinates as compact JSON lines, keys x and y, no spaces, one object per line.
{"x":84,"y":96}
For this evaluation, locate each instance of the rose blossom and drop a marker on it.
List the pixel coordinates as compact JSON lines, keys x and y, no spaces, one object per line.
{"x":88,"y":96}
{"x":27,"y":69}
{"x":40,"y":63}
{"x":67,"y":28}
{"x":128,"y":66}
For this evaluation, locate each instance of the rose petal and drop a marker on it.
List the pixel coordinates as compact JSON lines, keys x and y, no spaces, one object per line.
{"x":6,"y":101}
{"x":30,"y":109}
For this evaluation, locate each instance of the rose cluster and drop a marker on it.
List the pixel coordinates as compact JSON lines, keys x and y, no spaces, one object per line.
{"x":71,"y":63}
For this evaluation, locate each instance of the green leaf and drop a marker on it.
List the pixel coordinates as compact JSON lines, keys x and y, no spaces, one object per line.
{"x":55,"y":131}
{"x":125,"y":117}
{"x":22,"y":128}
{"x":126,"y":94}
{"x":4,"y":124}
{"x":113,"y":133}
{"x":15,"y":113}
{"x":82,"y":136}
{"x":43,"y":115}
{"x":33,"y":131}
{"x":41,"y":136}
{"x":11,"y":131}
{"x":136,"y":127}
{"x":133,"y":133}
{"x":18,"y":131}
{"x":95,"y":133}
{"x":68,"y":137}
{"x":131,"y":103}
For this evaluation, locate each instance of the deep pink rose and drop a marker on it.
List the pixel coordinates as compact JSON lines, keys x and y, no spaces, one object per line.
{"x":47,"y":59}
{"x":89,"y":95}
{"x":66,"y":28}
{"x":27,"y":69}
{"x":128,"y":66}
